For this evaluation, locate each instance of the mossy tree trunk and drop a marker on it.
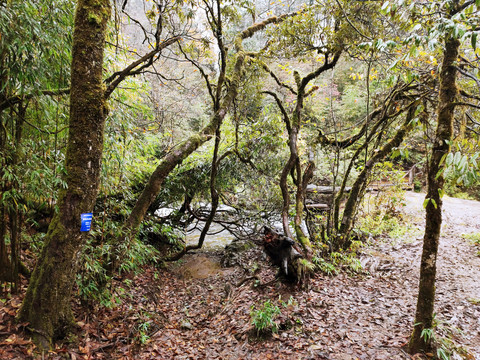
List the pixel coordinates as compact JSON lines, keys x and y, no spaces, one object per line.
{"x":46,"y":306}
{"x":293,"y":165}
{"x":443,"y":138}
{"x":358,"y":186}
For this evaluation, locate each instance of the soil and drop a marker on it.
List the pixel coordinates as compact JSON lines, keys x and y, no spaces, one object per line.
{"x":198,"y":309}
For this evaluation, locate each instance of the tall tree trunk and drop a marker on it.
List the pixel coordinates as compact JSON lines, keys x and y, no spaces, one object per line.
{"x":293,"y":162}
{"x":292,"y":140}
{"x":47,"y":305}
{"x":5,"y":272}
{"x":443,"y":138}
{"x":4,"y":262}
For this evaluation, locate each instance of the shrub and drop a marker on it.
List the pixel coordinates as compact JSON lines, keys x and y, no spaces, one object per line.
{"x":263,"y":319}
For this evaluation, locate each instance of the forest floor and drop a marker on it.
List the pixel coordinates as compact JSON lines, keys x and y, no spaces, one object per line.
{"x":199,"y":309}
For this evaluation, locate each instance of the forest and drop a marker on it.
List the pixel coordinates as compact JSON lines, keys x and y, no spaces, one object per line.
{"x":250,"y":179}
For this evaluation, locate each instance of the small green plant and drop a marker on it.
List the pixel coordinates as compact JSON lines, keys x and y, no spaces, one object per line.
{"x":263,"y":319}
{"x":348,"y":259}
{"x":305,"y":267}
{"x":377,"y":225}
{"x":446,"y":347}
{"x":443,"y":354}
{"x":427,"y":335}
{"x":143,"y":332}
{"x":474,"y":238}
{"x":324,"y":266}
{"x":290,"y":303}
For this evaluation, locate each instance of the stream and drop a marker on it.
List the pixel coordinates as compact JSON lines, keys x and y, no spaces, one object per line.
{"x":217,"y":241}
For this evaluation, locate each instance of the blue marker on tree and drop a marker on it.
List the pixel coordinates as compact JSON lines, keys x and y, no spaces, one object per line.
{"x":86,"y":221}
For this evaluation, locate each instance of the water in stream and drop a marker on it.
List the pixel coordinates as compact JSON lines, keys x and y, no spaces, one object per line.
{"x":216,"y":241}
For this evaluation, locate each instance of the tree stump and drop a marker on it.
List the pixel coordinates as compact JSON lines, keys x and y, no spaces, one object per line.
{"x":284,"y":253}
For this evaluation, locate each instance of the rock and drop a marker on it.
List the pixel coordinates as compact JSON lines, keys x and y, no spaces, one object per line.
{"x":186,"y":325}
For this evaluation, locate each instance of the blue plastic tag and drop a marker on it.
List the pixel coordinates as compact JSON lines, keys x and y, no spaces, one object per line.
{"x":86,"y":221}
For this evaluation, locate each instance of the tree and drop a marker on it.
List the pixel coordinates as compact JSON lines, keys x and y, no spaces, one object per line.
{"x":338,"y":30}
{"x":32,"y":60}
{"x":293,"y":165}
{"x":183,"y":150}
{"x":421,"y":340}
{"x":46,"y":306}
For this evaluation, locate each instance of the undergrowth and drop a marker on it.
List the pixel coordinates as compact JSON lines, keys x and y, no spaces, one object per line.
{"x":444,"y":336}
{"x":270,"y":318}
{"x":474,"y":239}
{"x":263,"y":318}
{"x":332,"y":263}
{"x":94,"y":279}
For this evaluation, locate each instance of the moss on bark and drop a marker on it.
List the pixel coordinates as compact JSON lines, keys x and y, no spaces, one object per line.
{"x":444,"y":133}
{"x":46,"y":306}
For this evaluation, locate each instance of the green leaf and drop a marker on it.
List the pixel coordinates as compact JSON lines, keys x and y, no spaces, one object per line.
{"x":419,"y":109}
{"x":445,"y":156}
{"x":425,"y":202}
{"x":441,"y":193}
{"x":439,"y":173}
{"x":462,"y":166}
{"x":457,"y":158}
{"x":449,"y":159}
{"x":474,"y":40}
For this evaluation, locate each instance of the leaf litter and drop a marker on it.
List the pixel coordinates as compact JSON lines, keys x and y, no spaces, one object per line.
{"x":197,"y":309}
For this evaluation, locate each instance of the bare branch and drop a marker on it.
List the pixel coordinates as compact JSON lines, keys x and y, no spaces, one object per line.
{"x":470,"y":96}
{"x":459,"y":103}
{"x":464,"y":73}
{"x":13,"y":100}
{"x":116,"y":78}
{"x":202,"y":72}
{"x":286,"y":118}
{"x":275,"y":77}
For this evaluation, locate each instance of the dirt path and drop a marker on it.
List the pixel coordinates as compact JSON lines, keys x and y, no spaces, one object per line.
{"x":458,"y":279}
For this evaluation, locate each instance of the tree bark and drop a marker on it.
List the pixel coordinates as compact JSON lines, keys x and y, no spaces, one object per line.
{"x":356,"y":191}
{"x":15,"y":212}
{"x":294,"y":160}
{"x":46,"y":306}
{"x":443,"y":137}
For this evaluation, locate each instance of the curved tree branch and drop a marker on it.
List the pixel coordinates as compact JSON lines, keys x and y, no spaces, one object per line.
{"x":145,"y":61}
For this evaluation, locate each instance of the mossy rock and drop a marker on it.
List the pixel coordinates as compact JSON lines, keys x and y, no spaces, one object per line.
{"x":233,"y":252}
